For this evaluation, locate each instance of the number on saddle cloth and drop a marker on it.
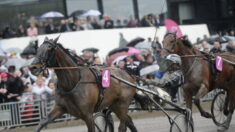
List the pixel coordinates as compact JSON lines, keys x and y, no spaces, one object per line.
{"x":105,"y":78}
{"x":219,"y":63}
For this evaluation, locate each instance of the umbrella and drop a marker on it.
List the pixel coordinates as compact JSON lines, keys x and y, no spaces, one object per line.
{"x":230,"y":38}
{"x":116,"y":61}
{"x":52,"y":14}
{"x":94,"y":50}
{"x":92,"y":13}
{"x":133,"y":42}
{"x":116,"y":50}
{"x":221,"y":39}
{"x":132,"y":50}
{"x":114,"y":55}
{"x":143,"y":45}
{"x":110,"y":59}
{"x":17,"y":50}
{"x":149,"y":69}
{"x":77,"y":13}
{"x":18,"y":62}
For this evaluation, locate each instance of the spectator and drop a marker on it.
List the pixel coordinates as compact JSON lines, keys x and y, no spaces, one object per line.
{"x":50,"y":27}
{"x":121,"y":64}
{"x":157,"y":20}
{"x":132,"y":22}
{"x":119,"y":24}
{"x":88,"y":23}
{"x":21,"y":31}
{"x":40,"y":88}
{"x":14,"y":85}
{"x":195,"y":47}
{"x":52,"y":85}
{"x":32,"y":30}
{"x":41,"y":28}
{"x":230,"y":47}
{"x":216,"y":48}
{"x":145,"y":22}
{"x":95,"y":24}
{"x":130,"y":66}
{"x":232,"y":33}
{"x":27,"y":94}
{"x":157,"y":47}
{"x":3,"y":88}
{"x":205,"y":46}
{"x":151,"y":20}
{"x":27,"y":97}
{"x":108,"y":23}
{"x":7,"y":33}
{"x":65,"y":27}
{"x":78,"y":26}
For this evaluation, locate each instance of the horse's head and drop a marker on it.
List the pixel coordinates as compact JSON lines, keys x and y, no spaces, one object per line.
{"x":169,"y":43}
{"x":174,"y":45}
{"x":45,"y":56}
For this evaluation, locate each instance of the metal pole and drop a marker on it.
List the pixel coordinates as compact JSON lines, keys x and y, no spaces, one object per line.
{"x":100,"y":7}
{"x":65,"y":9}
{"x":136,"y":9}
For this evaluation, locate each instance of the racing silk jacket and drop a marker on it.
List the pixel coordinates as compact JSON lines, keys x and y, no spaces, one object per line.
{"x":169,"y":80}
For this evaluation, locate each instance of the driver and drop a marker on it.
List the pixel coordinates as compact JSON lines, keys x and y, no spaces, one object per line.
{"x":172,"y":77}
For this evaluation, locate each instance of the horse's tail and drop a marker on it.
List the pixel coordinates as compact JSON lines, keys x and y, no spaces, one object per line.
{"x":142,"y":100}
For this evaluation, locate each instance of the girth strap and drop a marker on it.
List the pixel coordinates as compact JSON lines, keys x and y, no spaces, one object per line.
{"x":98,"y":75}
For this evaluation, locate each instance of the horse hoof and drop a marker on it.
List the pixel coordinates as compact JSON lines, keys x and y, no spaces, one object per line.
{"x":207,"y":115}
{"x":221,"y":129}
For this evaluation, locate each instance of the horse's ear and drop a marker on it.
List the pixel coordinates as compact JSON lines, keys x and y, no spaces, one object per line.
{"x":56,"y":39}
{"x":46,"y":39}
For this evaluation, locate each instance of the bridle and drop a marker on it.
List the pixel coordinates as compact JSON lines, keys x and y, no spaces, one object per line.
{"x":45,"y":63}
{"x":170,"y":50}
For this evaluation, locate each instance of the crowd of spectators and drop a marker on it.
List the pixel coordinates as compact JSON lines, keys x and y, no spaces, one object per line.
{"x":67,"y":25}
{"x":21,"y":85}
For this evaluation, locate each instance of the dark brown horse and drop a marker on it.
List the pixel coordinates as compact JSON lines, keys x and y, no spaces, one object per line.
{"x":199,"y":75}
{"x":78,"y":93}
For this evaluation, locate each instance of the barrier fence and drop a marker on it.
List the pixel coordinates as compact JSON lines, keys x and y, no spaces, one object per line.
{"x":18,"y":114}
{"x":26,"y":113}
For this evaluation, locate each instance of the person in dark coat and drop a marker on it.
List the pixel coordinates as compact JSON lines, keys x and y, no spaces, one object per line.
{"x":50,"y":27}
{"x":14,"y":84}
{"x":3,"y":87}
{"x":230,"y":47}
{"x":130,"y":66}
{"x":108,"y":23}
{"x":216,"y":48}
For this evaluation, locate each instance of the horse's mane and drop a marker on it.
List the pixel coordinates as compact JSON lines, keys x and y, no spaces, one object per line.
{"x":67,"y":51}
{"x":186,"y":42}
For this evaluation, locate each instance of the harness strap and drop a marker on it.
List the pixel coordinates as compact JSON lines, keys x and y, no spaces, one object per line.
{"x":97,"y":75}
{"x":63,"y":92}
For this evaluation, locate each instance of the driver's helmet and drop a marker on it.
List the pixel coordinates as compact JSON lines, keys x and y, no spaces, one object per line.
{"x":174,"y":58}
{"x":168,"y":61}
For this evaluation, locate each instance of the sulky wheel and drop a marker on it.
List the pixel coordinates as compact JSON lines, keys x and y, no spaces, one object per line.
{"x":184,"y":125}
{"x":219,"y":108}
{"x":103,"y":122}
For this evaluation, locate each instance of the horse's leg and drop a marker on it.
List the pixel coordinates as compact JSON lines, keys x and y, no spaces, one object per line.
{"x":55,"y":113}
{"x":120,"y":108}
{"x":88,"y":118}
{"x":201,"y":93}
{"x":130,"y":124}
{"x":187,"y":96}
